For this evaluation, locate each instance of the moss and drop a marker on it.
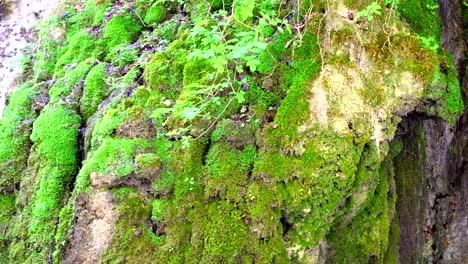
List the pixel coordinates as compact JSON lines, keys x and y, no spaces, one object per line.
{"x":92,"y":14}
{"x":294,"y":109}
{"x":54,"y":135}
{"x":7,"y":210}
{"x":121,"y":29}
{"x":227,"y":171}
{"x":226,"y":234}
{"x":187,"y":167}
{"x":264,"y":200}
{"x":148,"y":165}
{"x":273,"y":54}
{"x":14,"y":135}
{"x":94,"y":90}
{"x":362,"y":235}
{"x":115,"y":157}
{"x":133,"y":241}
{"x":158,"y":210}
{"x":422,"y":16}
{"x":164,"y":72}
{"x":445,"y":90}
{"x":79,"y":47}
{"x":47,"y":53}
{"x":66,"y":219}
{"x":143,"y":6}
{"x":123,"y":54}
{"x":155,"y":14}
{"x":71,"y":83}
{"x":167,"y":31}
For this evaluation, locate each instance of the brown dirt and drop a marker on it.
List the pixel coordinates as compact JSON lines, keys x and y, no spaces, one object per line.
{"x":96,"y":218}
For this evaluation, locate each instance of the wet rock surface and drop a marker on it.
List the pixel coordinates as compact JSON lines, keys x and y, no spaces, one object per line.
{"x":432,"y":191}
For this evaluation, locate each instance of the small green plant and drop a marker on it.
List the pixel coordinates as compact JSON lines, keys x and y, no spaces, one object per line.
{"x":392,"y":3}
{"x":229,"y":54}
{"x":429,"y":43}
{"x":370,"y":11}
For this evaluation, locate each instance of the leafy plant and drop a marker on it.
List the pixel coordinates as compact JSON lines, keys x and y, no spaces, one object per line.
{"x":370,"y":11}
{"x":429,"y":43}
{"x":392,"y":3}
{"x":229,"y":53}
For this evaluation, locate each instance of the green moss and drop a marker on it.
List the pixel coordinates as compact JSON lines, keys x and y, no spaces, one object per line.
{"x":121,"y":29}
{"x":143,"y":6}
{"x":123,"y":54}
{"x":133,"y":241}
{"x":445,"y":90}
{"x":422,"y":16}
{"x":187,"y":167}
{"x":47,"y":52}
{"x":115,"y":157}
{"x":92,"y":14}
{"x":294,"y":109}
{"x":274,"y":53}
{"x":66,"y":219}
{"x":226,"y":234}
{"x":158,"y":210}
{"x":165,"y":74}
{"x":148,"y":165}
{"x":366,"y":237}
{"x":94,"y":90}
{"x":227,"y":171}
{"x":264,"y":210}
{"x":7,"y":209}
{"x":167,"y":31}
{"x":70,"y":84}
{"x":14,"y":135}
{"x":155,"y":14}
{"x":79,"y":47}
{"x":54,"y":135}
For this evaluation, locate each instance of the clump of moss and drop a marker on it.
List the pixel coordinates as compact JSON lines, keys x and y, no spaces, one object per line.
{"x":79,"y":47}
{"x":221,"y":245}
{"x":7,"y":209}
{"x":115,"y":157}
{"x":14,"y":135}
{"x":445,"y":90}
{"x":123,"y":54}
{"x":132,"y":233}
{"x":274,"y":53}
{"x":92,"y":14}
{"x":121,"y":29}
{"x":148,"y":165}
{"x":155,"y":14}
{"x":422,"y":16}
{"x":227,"y":171}
{"x":54,"y":135}
{"x":71,"y":83}
{"x":94,"y":90}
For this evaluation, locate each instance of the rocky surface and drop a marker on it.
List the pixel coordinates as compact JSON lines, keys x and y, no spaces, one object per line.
{"x":134,"y":139}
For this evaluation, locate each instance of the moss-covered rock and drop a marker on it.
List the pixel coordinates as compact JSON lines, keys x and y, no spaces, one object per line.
{"x":264,"y":141}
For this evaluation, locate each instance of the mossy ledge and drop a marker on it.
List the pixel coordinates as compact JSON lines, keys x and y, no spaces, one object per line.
{"x":287,"y":160}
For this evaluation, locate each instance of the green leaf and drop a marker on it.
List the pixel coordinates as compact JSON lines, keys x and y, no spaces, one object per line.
{"x":240,"y":96}
{"x":244,"y":9}
{"x":189,"y":113}
{"x":253,"y":64}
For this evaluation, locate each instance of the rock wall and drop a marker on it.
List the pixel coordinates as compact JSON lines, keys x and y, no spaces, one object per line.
{"x":432,"y":204}
{"x":225,"y":132}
